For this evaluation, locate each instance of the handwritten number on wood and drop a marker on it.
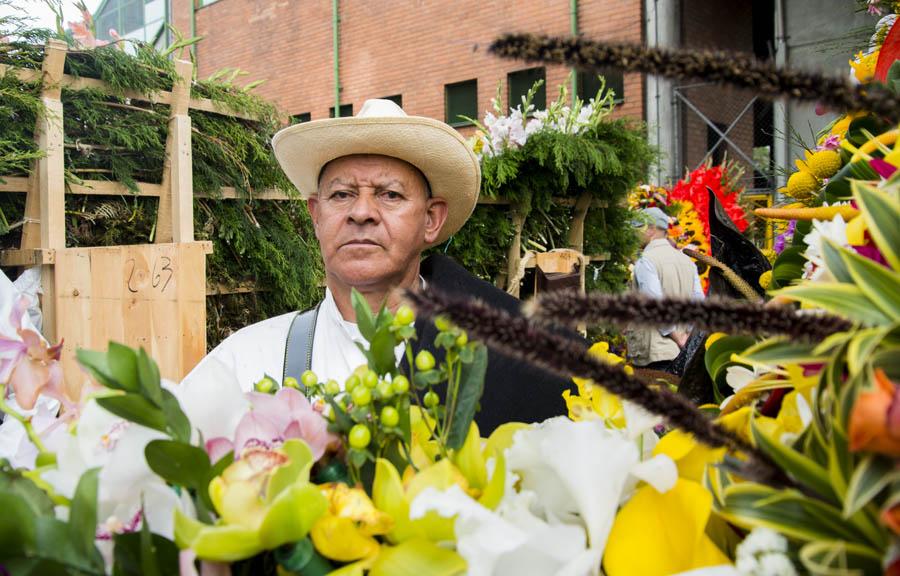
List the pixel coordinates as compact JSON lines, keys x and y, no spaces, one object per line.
{"x":131,"y":288}
{"x":166,"y":267}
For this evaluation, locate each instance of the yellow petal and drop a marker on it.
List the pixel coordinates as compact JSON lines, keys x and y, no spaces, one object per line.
{"x":856,"y":231}
{"x":493,"y":492}
{"x":226,"y":543}
{"x":502,"y":437}
{"x":388,"y":496}
{"x":470,"y":460}
{"x":291,"y":515}
{"x":417,"y":557}
{"x":690,"y":457}
{"x":338,"y":539}
{"x":239,"y":503}
{"x":660,"y":534}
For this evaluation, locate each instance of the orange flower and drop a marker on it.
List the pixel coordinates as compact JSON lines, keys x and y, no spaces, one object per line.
{"x":875,"y":420}
{"x":890,"y":517}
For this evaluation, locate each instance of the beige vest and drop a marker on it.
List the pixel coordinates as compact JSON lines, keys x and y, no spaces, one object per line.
{"x":676,"y":275}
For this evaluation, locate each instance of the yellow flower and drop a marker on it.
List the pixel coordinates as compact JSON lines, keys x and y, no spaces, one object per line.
{"x":765,"y":279}
{"x":864,"y":65}
{"x":690,"y":456}
{"x":264,"y":500}
{"x":466,"y":468}
{"x":801,"y":185}
{"x":662,"y":534}
{"x":594,"y":401}
{"x":346,"y":531}
{"x":824,"y":163}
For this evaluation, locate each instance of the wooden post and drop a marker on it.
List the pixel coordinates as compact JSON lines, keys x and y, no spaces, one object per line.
{"x":519,"y":213}
{"x":175,"y":216}
{"x":576,"y":230}
{"x":45,"y":205}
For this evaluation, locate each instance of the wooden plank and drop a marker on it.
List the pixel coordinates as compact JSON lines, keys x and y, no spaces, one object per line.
{"x":161,"y":97}
{"x":28,"y":257}
{"x":557,"y":261}
{"x":143,"y":295}
{"x":175,"y":216}
{"x":15,"y":184}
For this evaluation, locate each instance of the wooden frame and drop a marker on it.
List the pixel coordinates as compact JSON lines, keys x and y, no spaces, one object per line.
{"x":143,"y":295}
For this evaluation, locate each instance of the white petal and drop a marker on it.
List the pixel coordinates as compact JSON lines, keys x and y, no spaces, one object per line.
{"x":659,"y":472}
{"x":212,"y":400}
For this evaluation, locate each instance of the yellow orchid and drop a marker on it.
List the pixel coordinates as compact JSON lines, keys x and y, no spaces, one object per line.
{"x":863,"y":65}
{"x":345,"y":532}
{"x":594,"y":402}
{"x":264,"y":500}
{"x":466,"y":468}
{"x":663,"y":533}
{"x":690,"y":457}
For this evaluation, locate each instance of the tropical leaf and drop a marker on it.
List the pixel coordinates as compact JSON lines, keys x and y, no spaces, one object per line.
{"x":799,"y":467}
{"x":871,"y":476}
{"x":831,"y":252}
{"x":876,"y":281}
{"x":882,"y":214}
{"x":861,"y":346}
{"x":786,"y":511}
{"x":844,"y":300}
{"x":779,"y":351}
{"x":837,"y":558}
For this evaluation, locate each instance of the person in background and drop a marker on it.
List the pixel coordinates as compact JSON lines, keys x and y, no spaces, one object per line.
{"x":661,"y":271}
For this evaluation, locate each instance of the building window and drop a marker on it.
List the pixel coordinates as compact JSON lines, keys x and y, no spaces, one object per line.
{"x":589,"y":84}
{"x":346,"y":110}
{"x":396,"y":99}
{"x":460,"y":100}
{"x":301,"y":118}
{"x":521,"y":81}
{"x":123,"y":16}
{"x":201,"y":3}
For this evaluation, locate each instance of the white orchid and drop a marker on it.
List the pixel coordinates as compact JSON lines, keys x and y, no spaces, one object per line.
{"x":835,"y":230}
{"x":565,"y":482}
{"x":127,"y":487}
{"x":212,"y":400}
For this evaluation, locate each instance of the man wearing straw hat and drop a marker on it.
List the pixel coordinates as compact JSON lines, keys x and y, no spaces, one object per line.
{"x":381,"y":188}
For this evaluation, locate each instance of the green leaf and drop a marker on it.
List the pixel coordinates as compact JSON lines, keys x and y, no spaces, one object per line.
{"x":719,"y":357}
{"x":148,"y":375}
{"x":54,"y":543}
{"x":788,"y":267}
{"x":177,"y":424}
{"x":779,"y":351}
{"x":798,"y":466}
{"x":840,"y":462}
{"x":17,"y":526}
{"x":122,"y":362}
{"x":13,"y":482}
{"x":381,"y":351}
{"x":365,"y":320}
{"x":427,"y":378}
{"x":130,"y":554}
{"x":178,"y":463}
{"x":831,"y":252}
{"x":82,"y":525}
{"x":96,"y":363}
{"x":786,"y":511}
{"x":471,"y":387}
{"x":149,"y":565}
{"x":135,"y":409}
{"x":882,"y":214}
{"x":845,"y":300}
{"x":871,"y":476}
{"x":876,"y":282}
{"x":862,"y":345}
{"x":837,"y":558}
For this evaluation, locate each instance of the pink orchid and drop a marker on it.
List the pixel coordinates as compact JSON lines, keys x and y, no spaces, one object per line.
{"x":274,"y":419}
{"x":884,"y":169}
{"x":28,"y":364}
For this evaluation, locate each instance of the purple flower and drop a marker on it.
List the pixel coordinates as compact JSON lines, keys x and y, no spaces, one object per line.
{"x":832,"y":142}
{"x":787,"y":236}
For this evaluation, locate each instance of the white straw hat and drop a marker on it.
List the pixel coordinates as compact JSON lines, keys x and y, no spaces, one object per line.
{"x":382,"y":127}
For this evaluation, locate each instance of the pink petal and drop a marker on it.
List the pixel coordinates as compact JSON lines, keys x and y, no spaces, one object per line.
{"x":314,"y":431}
{"x":296,"y":403}
{"x":271,"y":408}
{"x":15,"y":315}
{"x":254,"y":427}
{"x":186,"y":565}
{"x":217,"y":448}
{"x":27,"y":380}
{"x":884,"y":169}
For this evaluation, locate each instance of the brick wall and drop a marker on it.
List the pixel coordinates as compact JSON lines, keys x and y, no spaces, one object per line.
{"x":388,"y":47}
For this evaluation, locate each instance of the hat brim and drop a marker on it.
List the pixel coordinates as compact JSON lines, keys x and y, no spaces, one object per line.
{"x":440,"y":152}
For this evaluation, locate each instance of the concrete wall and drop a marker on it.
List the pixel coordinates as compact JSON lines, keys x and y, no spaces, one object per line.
{"x":821,"y":35}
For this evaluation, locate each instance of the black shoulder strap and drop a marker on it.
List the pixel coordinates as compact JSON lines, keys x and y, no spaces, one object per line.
{"x":299,"y":344}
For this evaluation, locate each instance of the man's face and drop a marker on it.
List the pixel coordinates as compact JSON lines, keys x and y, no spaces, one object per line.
{"x":373,"y":218}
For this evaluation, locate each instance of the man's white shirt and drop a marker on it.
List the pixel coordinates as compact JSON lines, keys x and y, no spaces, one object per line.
{"x":258,"y":350}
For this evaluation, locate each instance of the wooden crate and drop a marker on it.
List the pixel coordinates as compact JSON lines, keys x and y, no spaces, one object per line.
{"x":144,"y":295}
